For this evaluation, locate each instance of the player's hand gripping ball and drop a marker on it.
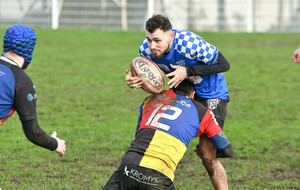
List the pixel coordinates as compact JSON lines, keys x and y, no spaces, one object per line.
{"x":150,"y":73}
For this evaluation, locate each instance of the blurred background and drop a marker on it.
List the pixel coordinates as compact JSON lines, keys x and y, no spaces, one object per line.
{"x":198,"y":15}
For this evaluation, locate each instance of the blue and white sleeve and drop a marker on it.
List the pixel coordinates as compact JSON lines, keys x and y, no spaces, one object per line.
{"x":195,"y":47}
{"x":144,"y":49}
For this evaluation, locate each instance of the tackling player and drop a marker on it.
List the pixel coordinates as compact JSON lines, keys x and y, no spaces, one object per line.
{"x":167,"y":123}
{"x":17,"y":91}
{"x":184,"y":54}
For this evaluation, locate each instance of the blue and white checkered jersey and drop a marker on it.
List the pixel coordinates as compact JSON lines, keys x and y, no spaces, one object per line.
{"x":190,"y":49}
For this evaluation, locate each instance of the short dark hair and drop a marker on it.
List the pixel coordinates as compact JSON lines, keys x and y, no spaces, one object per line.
{"x":158,"y":21}
{"x":185,"y":88}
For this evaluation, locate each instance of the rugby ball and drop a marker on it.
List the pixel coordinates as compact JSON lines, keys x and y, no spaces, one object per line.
{"x":150,"y":73}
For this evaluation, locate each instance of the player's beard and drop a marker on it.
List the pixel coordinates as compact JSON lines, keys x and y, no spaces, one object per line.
{"x":159,"y":56}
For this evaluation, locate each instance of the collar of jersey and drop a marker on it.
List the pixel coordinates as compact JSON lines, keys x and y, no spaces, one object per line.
{"x":9,"y":60}
{"x":170,"y":54}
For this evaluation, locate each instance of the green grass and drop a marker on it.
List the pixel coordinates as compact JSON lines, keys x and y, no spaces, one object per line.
{"x":80,"y":83}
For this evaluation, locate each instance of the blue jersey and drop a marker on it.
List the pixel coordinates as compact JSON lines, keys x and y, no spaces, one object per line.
{"x":16,"y":92}
{"x":190,"y":49}
{"x":7,"y":86}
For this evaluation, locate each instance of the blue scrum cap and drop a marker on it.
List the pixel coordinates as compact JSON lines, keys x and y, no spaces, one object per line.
{"x":20,"y":39}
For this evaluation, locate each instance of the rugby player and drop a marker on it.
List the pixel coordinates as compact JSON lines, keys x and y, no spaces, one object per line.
{"x":184,"y":54}
{"x":17,"y":91}
{"x":167,"y":123}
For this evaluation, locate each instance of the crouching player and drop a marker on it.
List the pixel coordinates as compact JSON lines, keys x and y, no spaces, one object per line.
{"x":167,"y":123}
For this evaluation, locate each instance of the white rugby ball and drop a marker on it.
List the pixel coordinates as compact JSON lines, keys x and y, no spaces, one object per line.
{"x":150,"y":73}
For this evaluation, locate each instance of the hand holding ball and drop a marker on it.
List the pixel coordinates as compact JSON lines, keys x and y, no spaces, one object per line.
{"x":150,"y":73}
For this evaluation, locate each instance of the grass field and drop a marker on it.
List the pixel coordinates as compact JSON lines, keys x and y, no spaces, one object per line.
{"x":79,"y":78}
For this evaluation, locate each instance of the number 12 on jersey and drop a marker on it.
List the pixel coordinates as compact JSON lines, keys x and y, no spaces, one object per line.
{"x":155,"y":117}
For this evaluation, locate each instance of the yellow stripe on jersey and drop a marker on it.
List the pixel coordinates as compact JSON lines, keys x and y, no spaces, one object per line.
{"x":163,"y":153}
{"x":146,"y":100}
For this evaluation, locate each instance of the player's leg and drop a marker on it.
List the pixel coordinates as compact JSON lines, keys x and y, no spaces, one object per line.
{"x":208,"y":150}
{"x":219,"y":108}
{"x":212,"y":165}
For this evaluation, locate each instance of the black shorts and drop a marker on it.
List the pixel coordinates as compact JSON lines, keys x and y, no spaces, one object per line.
{"x":217,"y":106}
{"x":131,"y":176}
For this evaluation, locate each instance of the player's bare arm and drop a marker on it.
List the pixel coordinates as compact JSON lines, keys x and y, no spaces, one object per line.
{"x":131,"y":81}
{"x":221,"y":65}
{"x":225,"y":152}
{"x":216,"y":135}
